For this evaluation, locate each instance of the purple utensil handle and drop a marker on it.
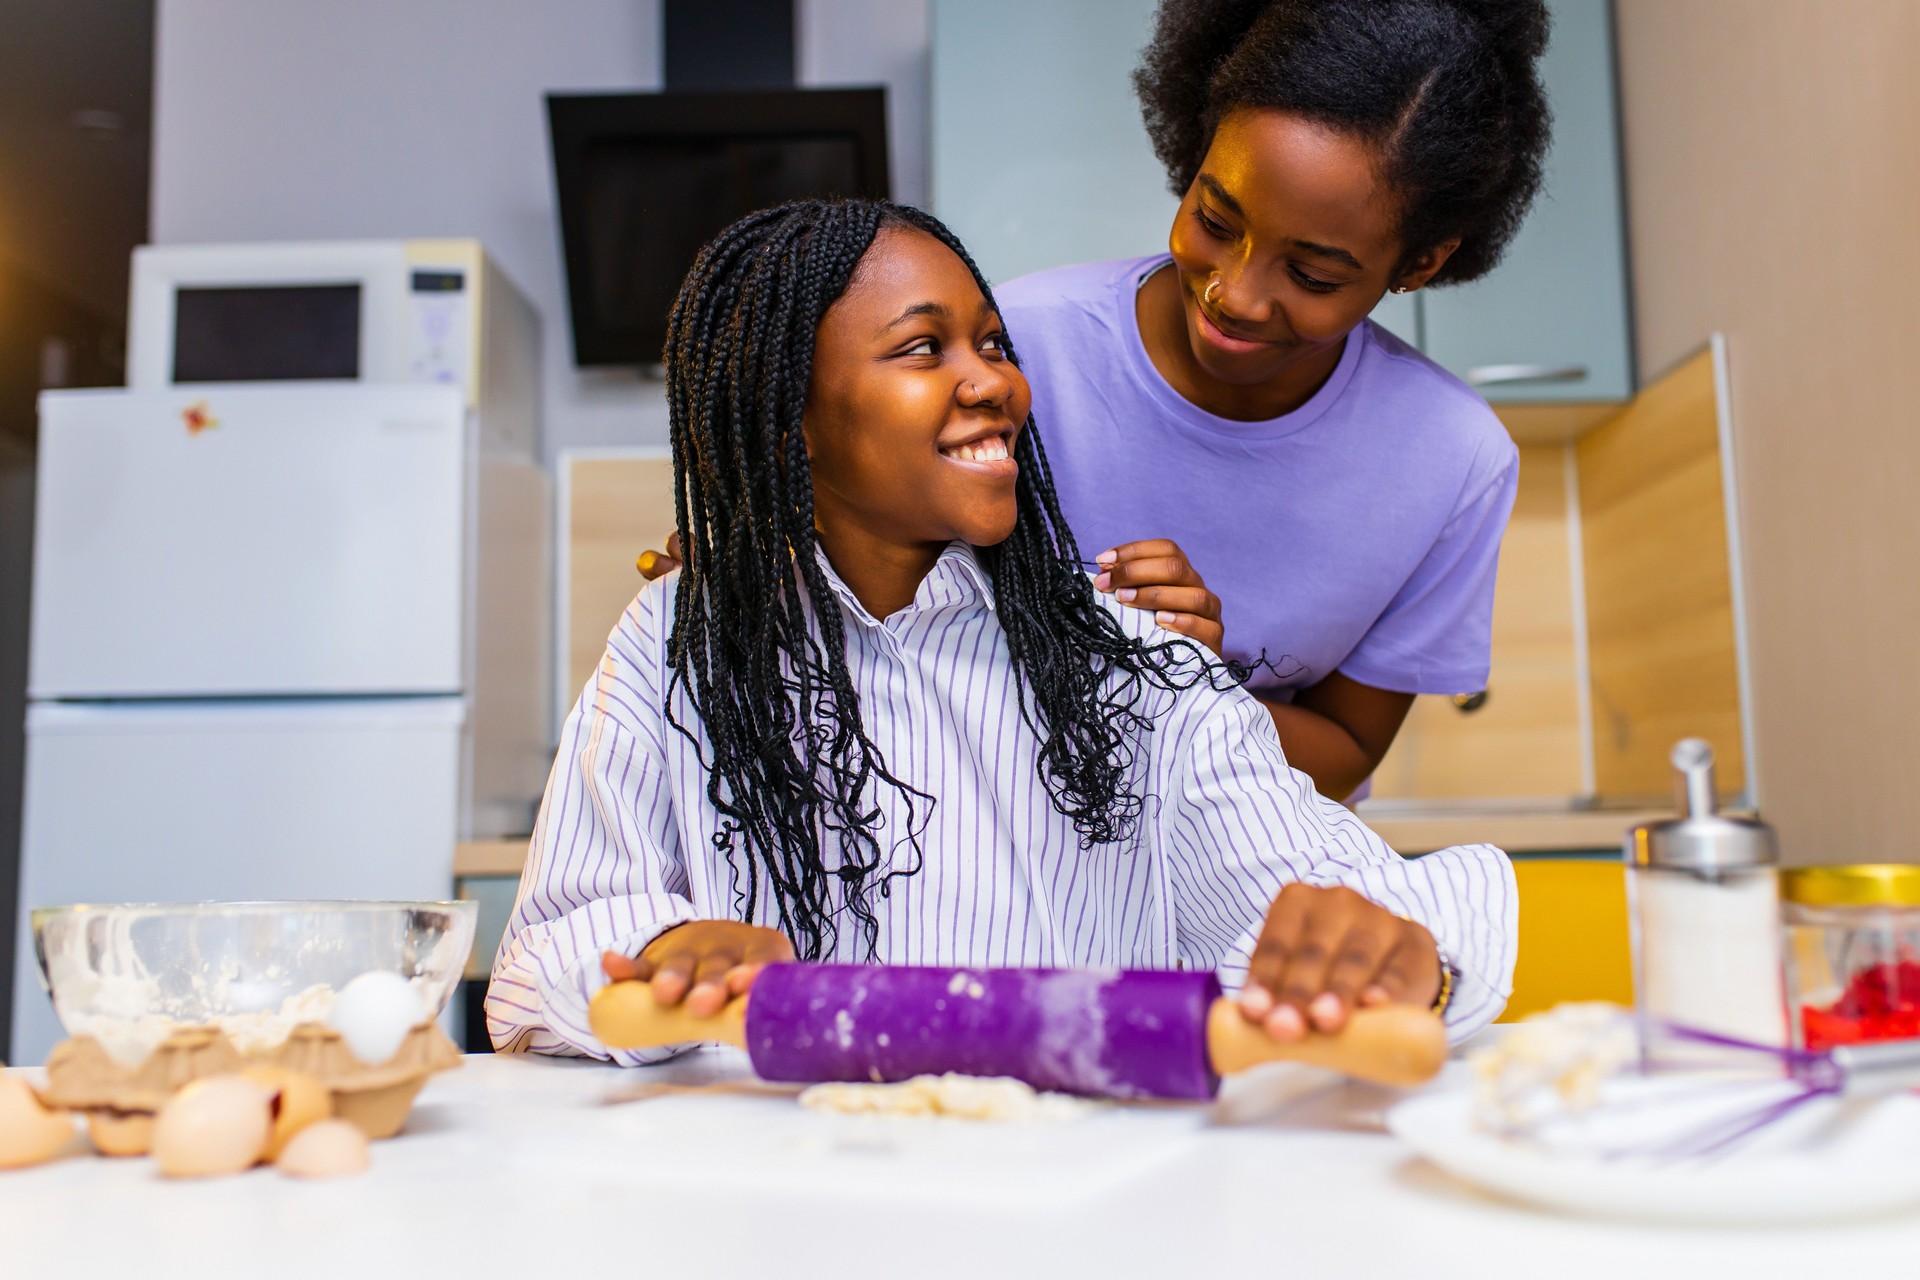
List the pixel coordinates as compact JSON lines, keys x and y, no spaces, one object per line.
{"x":1108,"y":1033}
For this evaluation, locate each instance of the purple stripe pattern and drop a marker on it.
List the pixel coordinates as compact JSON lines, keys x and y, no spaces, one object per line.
{"x":623,"y":849}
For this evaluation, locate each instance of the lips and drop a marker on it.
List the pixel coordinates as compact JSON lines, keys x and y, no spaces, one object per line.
{"x":1225,"y":341}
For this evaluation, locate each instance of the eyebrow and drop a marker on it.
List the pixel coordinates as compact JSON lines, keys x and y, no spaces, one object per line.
{"x":1331,"y":252}
{"x":938,"y":309}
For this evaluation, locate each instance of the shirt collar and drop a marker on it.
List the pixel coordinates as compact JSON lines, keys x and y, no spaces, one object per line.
{"x":956,"y":579}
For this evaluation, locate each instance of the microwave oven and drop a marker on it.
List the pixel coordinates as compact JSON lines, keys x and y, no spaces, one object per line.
{"x":375,"y":311}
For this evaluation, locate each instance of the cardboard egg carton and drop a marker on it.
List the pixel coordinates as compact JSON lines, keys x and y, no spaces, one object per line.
{"x":82,"y":1076}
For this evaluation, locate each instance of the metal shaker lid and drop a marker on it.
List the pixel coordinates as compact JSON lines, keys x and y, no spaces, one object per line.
{"x":1700,"y":839}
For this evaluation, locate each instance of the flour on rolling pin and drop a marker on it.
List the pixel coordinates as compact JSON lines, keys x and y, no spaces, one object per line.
{"x":955,"y":1096}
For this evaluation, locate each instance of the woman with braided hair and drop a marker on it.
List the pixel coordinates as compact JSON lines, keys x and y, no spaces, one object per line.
{"x":883,"y":715}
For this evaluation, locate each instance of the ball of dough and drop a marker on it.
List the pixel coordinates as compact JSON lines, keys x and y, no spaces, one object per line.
{"x":215,"y":1125}
{"x":29,"y":1132}
{"x":329,"y":1149}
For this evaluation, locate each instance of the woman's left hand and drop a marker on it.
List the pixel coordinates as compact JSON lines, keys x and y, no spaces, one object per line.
{"x":1155,"y":575}
{"x":1326,"y":951}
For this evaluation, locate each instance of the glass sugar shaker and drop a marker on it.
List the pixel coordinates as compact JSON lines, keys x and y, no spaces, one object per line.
{"x":1705,"y":908}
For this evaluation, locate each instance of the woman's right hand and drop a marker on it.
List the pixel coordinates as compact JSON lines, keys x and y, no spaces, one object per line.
{"x":1155,"y":575}
{"x":706,"y":963}
{"x":658,"y":564}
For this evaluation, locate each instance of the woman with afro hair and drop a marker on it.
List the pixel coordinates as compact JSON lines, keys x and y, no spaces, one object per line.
{"x":1343,"y":495}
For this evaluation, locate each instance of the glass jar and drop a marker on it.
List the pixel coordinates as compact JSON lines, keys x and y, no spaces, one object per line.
{"x":1852,"y":953}
{"x":1705,"y":911}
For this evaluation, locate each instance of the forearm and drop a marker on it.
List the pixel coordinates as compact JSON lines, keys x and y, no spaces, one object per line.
{"x":1321,"y":749}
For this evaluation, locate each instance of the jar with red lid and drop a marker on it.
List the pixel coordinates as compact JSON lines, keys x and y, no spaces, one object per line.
{"x":1852,"y":953}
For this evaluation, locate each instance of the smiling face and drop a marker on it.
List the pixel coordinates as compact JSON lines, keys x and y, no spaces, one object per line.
{"x":1293,"y":222}
{"x":913,"y":408}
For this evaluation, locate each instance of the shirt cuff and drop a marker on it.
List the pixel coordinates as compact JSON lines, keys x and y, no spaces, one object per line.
{"x":565,"y":995}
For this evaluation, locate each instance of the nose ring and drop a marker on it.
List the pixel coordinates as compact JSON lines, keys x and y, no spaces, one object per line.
{"x":1206,"y":295}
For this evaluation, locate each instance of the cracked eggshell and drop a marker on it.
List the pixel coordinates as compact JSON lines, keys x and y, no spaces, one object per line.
{"x":29,"y":1133}
{"x":295,"y":1100}
{"x":374,"y":1013}
{"x":329,"y":1149}
{"x":213,"y":1126}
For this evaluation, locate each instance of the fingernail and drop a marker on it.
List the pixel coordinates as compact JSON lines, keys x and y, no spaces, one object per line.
{"x":1372,"y":996}
{"x":1125,"y":595}
{"x":1106,"y":557}
{"x":1285,"y":1023}
{"x":1325,"y":1009}
{"x":1256,"y":1001}
{"x":1164,"y":618}
{"x":1101,"y":581}
{"x":646,"y":561}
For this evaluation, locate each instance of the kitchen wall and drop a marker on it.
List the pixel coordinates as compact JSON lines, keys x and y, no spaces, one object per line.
{"x":345,"y":118}
{"x":1773,"y":179}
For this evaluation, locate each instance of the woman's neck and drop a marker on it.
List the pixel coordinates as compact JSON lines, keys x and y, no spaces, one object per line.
{"x":1162,"y":317}
{"x":884,"y":575}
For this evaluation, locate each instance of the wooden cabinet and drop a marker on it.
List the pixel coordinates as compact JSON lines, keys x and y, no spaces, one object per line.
{"x":1617,"y":624}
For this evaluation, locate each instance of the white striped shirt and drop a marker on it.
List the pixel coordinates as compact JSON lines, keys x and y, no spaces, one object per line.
{"x":624,"y":844}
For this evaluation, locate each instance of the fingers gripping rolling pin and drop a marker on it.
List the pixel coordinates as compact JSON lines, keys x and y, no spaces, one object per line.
{"x":1102,"y":1033}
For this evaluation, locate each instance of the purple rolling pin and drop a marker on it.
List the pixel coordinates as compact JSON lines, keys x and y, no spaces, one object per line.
{"x":1104,"y":1033}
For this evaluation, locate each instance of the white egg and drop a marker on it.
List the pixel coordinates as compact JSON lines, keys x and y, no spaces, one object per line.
{"x":373,"y":1014}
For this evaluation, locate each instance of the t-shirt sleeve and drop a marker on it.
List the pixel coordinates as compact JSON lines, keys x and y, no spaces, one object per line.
{"x":1437,"y":634}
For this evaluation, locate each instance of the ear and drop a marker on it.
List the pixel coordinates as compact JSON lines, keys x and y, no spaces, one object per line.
{"x":1425,"y":265}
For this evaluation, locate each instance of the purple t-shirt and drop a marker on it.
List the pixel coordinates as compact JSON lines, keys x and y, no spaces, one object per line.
{"x":1358,"y":533}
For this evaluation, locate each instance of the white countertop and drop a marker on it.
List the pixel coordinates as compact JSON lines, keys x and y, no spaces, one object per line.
{"x":512,"y":1164}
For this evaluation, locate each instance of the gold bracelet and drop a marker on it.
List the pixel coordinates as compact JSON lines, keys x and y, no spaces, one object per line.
{"x":1445,"y":998}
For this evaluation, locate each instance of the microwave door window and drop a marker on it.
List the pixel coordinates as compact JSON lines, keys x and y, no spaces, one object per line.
{"x":266,"y":333}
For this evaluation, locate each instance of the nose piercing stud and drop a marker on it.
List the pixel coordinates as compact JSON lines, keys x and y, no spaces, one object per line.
{"x":1206,"y":294}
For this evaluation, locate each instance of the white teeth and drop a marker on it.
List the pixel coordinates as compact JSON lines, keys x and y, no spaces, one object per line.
{"x":993,"y":449}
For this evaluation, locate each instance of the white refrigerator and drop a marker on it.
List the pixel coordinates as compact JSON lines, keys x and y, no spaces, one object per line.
{"x":287,"y":641}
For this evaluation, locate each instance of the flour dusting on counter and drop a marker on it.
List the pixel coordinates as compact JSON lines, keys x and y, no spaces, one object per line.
{"x":997,"y":1098}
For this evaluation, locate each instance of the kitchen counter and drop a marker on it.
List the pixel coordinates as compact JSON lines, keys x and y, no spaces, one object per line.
{"x":514,"y":1164}
{"x":1408,"y":829}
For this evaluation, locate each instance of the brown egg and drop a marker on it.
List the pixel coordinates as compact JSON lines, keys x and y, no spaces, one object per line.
{"x":216,"y":1125}
{"x":29,"y":1132}
{"x":329,"y":1149}
{"x":295,"y":1100}
{"x":121,"y":1133}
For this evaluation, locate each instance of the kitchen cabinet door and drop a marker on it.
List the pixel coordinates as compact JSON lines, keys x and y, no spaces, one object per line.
{"x":1550,"y":323}
{"x":1039,"y":156}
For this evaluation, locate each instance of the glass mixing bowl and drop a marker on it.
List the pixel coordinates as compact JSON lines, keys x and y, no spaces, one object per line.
{"x":131,"y":975}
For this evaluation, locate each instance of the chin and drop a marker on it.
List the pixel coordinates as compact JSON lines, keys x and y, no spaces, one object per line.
{"x":989,"y":533}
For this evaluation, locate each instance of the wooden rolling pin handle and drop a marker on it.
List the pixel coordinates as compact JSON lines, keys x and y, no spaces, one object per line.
{"x":1396,"y":1045}
{"x":624,"y":1015}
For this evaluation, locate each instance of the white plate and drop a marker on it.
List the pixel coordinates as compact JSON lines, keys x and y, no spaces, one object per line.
{"x":1827,"y":1160}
